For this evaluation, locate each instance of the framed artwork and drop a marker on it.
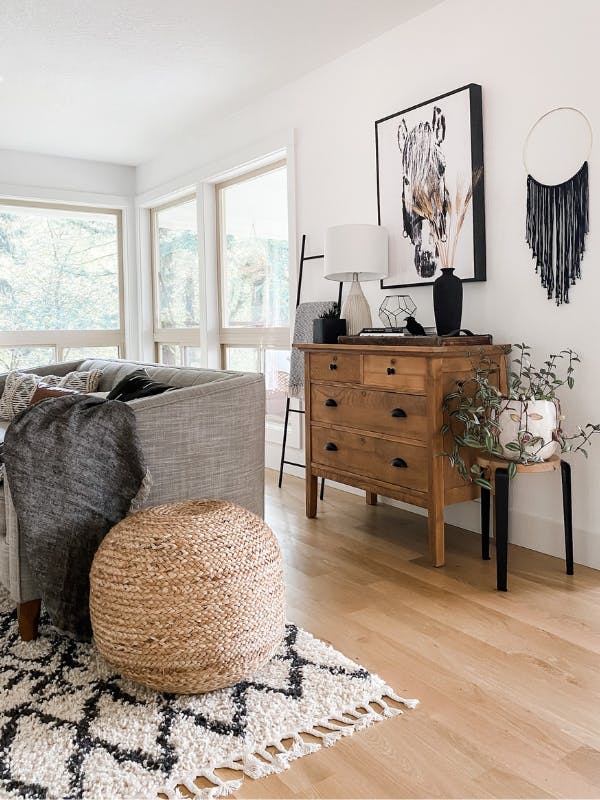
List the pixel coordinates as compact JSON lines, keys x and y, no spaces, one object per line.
{"x":430,"y":191}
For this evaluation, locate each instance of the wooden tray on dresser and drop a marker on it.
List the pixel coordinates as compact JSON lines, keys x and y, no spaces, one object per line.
{"x":388,"y":340}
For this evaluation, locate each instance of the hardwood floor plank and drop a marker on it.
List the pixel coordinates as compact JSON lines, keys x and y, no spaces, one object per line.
{"x":509,"y":683}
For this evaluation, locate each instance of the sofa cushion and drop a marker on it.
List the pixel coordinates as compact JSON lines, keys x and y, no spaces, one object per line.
{"x":20,"y":387}
{"x":114,"y":371}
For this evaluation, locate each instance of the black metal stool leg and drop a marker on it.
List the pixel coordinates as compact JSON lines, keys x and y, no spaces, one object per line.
{"x":501,"y":512}
{"x":322,"y":492}
{"x":485,"y":524}
{"x":565,"y":471}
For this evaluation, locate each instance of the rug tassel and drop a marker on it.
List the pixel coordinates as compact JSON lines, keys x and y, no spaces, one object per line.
{"x":411,"y":703}
{"x":261,"y":762}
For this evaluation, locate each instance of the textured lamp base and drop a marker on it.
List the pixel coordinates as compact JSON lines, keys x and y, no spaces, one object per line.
{"x":356,"y":309}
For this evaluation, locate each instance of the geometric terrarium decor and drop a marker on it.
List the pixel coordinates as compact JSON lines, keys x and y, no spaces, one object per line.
{"x":395,"y":309}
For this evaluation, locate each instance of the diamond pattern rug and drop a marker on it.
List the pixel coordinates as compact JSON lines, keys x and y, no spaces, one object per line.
{"x":70,"y":727}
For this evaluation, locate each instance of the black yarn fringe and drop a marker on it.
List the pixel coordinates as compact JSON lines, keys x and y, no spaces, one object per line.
{"x":557,"y":222}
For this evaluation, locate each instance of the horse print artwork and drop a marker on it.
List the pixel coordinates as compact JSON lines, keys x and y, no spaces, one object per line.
{"x":424,"y":186}
{"x":430,"y":189}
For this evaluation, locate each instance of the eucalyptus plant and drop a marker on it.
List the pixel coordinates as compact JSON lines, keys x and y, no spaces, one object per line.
{"x":473,"y":408}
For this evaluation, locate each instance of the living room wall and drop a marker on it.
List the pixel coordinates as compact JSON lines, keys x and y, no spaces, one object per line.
{"x":528,"y":57}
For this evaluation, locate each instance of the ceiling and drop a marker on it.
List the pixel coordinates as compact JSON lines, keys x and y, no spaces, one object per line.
{"x":115,"y":80}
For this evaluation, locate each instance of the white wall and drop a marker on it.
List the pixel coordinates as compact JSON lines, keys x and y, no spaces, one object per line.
{"x":528,"y":56}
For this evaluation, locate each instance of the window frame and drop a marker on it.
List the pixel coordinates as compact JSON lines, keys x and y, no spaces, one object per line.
{"x":184,"y":337}
{"x":61,"y":339}
{"x":260,"y":338}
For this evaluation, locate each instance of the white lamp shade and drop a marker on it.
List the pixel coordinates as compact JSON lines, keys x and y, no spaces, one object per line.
{"x":360,"y":250}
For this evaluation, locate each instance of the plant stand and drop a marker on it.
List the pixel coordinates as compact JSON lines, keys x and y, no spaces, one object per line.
{"x":496,"y":471}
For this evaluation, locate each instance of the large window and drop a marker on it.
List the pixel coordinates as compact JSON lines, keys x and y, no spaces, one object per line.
{"x":176,"y":283}
{"x":254,"y":279}
{"x":60,"y":283}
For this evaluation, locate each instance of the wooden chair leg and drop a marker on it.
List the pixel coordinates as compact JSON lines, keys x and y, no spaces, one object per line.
{"x":28,"y":616}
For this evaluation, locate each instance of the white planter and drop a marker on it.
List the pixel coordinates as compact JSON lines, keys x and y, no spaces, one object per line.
{"x":536,"y":418}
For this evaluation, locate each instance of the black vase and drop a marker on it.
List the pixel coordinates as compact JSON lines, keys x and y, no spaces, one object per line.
{"x":326,"y":331}
{"x":447,"y":302}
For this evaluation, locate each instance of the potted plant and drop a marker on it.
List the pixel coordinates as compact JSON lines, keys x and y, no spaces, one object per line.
{"x":522,"y":427}
{"x":328,"y":326}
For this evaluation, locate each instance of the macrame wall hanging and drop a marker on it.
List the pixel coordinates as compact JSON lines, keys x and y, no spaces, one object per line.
{"x":558,"y":217}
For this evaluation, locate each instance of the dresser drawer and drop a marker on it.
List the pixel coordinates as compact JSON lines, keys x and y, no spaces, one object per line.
{"x":339,"y":367}
{"x":371,"y":457}
{"x":406,"y":374}
{"x":370,"y":410}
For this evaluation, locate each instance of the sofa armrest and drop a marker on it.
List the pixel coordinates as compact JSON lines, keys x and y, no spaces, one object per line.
{"x":22,"y":586}
{"x":206,"y":441}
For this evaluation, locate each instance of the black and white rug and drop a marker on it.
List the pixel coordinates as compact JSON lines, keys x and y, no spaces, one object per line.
{"x":72,"y":728}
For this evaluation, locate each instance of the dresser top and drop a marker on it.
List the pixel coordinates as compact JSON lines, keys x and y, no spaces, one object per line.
{"x":427,"y":351}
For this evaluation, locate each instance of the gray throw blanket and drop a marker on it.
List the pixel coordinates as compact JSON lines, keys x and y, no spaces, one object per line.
{"x":74,"y":465}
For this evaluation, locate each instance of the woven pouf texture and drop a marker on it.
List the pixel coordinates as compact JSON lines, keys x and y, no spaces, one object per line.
{"x":188,"y":597}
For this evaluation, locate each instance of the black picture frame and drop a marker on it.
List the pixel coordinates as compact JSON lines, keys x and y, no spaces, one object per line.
{"x":475,"y":127}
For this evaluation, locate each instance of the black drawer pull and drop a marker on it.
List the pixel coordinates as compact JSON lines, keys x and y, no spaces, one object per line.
{"x":391,"y":371}
{"x":398,"y":412}
{"x":330,"y":446}
{"x":398,"y":462}
{"x":331,"y":402}
{"x":333,"y":366}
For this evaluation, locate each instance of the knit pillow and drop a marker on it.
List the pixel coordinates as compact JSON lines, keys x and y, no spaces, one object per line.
{"x":20,"y":387}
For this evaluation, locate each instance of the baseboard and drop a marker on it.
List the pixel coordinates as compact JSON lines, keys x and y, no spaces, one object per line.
{"x":526,"y":530}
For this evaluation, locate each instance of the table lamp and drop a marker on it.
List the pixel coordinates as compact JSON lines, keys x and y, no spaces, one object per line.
{"x":356,"y":253}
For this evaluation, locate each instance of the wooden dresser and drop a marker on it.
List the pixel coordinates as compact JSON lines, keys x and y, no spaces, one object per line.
{"x":374,"y":418}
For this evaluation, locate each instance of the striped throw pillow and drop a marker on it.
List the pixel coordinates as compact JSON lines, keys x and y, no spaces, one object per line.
{"x":20,"y":387}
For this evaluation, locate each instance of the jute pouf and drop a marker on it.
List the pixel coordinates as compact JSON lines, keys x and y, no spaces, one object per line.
{"x":188,"y":597}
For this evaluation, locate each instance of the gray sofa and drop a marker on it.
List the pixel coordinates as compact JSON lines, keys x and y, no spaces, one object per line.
{"x":204,"y":440}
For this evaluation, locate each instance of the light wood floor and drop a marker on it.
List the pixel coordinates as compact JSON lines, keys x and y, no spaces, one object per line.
{"x":509,"y":683}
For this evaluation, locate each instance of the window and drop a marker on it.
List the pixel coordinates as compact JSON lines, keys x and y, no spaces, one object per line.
{"x":254,"y":278}
{"x":176,"y":283}
{"x":60,"y":283}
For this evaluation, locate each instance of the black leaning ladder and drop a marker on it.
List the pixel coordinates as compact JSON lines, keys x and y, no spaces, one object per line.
{"x":289,"y":410}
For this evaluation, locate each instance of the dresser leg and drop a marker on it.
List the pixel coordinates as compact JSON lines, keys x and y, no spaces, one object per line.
{"x":312,"y":489}
{"x":371,"y":498}
{"x":436,"y":535}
